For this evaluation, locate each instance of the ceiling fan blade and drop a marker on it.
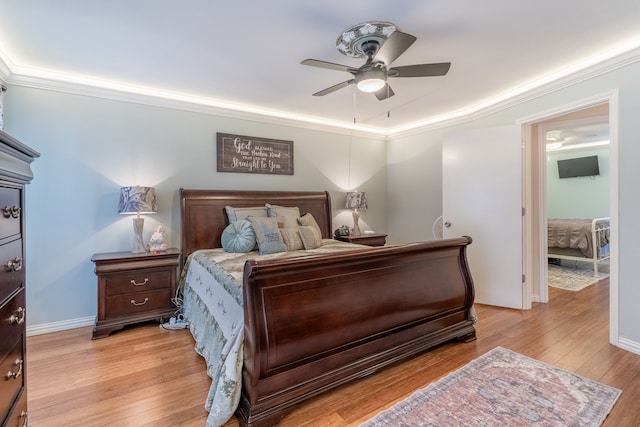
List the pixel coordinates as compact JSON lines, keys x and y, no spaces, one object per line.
{"x":420,"y":70}
{"x":394,"y":46}
{"x":384,"y":93}
{"x":329,"y":65}
{"x":334,"y":88}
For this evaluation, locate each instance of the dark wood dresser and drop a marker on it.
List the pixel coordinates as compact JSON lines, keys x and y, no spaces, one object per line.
{"x":15,"y":172}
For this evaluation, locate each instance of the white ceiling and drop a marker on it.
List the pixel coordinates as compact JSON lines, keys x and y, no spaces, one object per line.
{"x":247,"y":53}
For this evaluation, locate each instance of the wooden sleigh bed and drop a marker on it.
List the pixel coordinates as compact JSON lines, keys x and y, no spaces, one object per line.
{"x":579,"y":240}
{"x":311,"y":323}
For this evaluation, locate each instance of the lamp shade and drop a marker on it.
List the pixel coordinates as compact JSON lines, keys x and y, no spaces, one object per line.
{"x":356,"y":200}
{"x":137,"y":200}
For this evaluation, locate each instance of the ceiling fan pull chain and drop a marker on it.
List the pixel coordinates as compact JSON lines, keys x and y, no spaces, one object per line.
{"x":354,"y":106}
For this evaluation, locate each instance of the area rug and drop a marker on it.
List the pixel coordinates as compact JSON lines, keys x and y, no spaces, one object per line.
{"x":503,"y":388}
{"x":572,"y":279}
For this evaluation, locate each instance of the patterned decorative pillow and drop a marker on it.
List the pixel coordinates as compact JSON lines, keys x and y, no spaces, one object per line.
{"x":290,"y":214}
{"x":238,"y":237}
{"x":311,"y":237}
{"x":292,"y":239}
{"x":309,"y":221}
{"x":236,"y":214}
{"x":268,"y":235}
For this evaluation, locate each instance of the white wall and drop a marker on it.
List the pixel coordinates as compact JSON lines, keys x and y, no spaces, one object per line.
{"x":580,"y":197}
{"x":91,"y":147}
{"x":412,"y":171}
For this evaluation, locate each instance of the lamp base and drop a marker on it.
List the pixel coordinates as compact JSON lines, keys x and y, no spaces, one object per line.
{"x":138,"y":246}
{"x":356,"y":227}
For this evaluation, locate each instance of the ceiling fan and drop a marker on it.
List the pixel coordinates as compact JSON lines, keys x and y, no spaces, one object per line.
{"x":380,"y":43}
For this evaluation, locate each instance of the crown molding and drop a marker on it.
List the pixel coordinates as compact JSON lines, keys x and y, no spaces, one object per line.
{"x":21,"y":76}
{"x":139,"y":95}
{"x":536,"y":90}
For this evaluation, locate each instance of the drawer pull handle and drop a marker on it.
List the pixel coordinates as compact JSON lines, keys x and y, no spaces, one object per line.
{"x":13,"y":375}
{"x":139,"y":303}
{"x":14,"y":264}
{"x":24,"y":415}
{"x":11,"y":211}
{"x":19,"y":319}
{"x":146,"y":280}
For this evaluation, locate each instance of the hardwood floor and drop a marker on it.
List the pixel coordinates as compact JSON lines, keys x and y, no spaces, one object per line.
{"x":147,"y":376}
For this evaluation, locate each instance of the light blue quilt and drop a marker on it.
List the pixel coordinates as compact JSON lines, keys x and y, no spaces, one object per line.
{"x":212,"y":294}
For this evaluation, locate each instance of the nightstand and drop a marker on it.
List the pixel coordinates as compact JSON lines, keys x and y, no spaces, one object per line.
{"x":373,"y":239}
{"x":134,"y":287}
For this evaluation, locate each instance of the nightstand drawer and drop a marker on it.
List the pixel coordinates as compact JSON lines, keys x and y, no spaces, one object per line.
{"x":138,"y":281}
{"x":138,"y":302}
{"x":12,"y":371}
{"x":12,"y":322}
{"x":11,"y":271}
{"x":10,"y":212}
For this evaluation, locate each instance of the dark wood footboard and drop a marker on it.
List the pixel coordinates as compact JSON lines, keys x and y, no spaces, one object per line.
{"x":311,"y":326}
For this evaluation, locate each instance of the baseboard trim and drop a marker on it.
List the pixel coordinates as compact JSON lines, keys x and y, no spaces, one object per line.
{"x":63,"y":325}
{"x":629,"y":345}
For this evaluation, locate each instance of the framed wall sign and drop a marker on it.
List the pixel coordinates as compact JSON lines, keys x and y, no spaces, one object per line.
{"x":248,"y":154}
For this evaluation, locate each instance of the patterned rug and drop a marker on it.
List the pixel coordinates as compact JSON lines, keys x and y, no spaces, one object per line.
{"x":572,"y":279}
{"x":503,"y":388}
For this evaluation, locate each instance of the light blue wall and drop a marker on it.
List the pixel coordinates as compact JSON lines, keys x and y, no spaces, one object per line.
{"x":581,"y":197}
{"x":405,"y":170}
{"x":91,"y":147}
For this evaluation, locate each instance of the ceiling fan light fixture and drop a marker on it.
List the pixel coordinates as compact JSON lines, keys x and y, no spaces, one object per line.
{"x":371,"y":80}
{"x":553,"y":145}
{"x":371,"y":85}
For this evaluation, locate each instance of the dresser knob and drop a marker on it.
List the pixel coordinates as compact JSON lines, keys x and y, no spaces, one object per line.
{"x":139,"y":303}
{"x":11,"y":211}
{"x":19,"y":319}
{"x":13,"y":375}
{"x":14,"y":264}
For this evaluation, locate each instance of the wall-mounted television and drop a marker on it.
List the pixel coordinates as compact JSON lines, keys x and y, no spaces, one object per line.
{"x":581,"y":166}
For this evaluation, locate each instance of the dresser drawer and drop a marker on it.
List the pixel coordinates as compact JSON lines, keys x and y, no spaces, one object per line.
{"x":19,"y":416}
{"x":11,"y":271}
{"x":138,"y":302}
{"x":12,"y":322}
{"x":12,"y":382}
{"x":10,"y":211}
{"x":138,"y":281}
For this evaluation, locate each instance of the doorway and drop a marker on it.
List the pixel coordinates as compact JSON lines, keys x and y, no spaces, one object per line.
{"x":603,"y":108}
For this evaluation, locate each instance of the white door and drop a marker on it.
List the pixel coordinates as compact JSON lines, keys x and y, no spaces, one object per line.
{"x":482,"y":198}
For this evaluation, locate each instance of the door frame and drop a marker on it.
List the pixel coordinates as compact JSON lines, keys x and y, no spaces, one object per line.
{"x":535,"y":200}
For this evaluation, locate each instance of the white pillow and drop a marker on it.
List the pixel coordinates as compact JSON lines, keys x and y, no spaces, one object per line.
{"x":290,"y":214}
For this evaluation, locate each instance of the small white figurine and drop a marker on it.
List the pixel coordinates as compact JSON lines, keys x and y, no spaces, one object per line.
{"x":156,"y":244}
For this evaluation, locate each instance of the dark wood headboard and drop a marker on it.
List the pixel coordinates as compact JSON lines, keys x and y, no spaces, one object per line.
{"x":204,"y":218}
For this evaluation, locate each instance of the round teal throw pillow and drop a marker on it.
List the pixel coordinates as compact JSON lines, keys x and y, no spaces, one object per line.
{"x":238,"y":237}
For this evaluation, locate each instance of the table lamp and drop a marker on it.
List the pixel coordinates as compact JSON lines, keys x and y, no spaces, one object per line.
{"x":356,"y":200}
{"x":137,"y":200}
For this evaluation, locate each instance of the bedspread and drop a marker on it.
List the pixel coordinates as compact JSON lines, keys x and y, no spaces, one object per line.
{"x":211,"y":286}
{"x":576,"y":234}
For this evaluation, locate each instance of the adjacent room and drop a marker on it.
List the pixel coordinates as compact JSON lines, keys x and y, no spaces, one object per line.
{"x":348,"y":214}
